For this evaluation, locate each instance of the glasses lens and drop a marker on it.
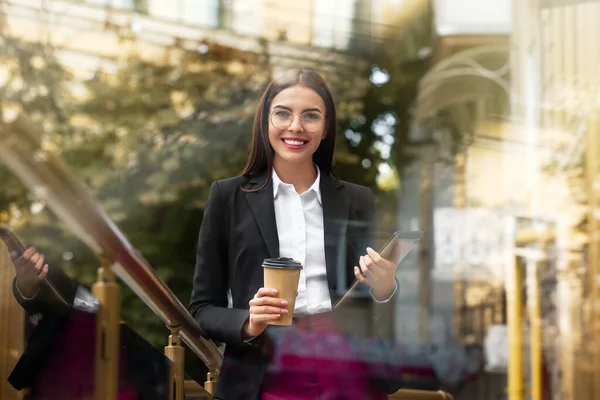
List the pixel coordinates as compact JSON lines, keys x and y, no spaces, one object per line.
{"x":312,"y":121}
{"x":281,"y":119}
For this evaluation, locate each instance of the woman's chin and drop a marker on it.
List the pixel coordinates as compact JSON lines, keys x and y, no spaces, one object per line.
{"x":294,"y":158}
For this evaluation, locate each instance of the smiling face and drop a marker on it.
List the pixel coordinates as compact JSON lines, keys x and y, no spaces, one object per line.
{"x":302,"y":132}
{"x":296,"y":125}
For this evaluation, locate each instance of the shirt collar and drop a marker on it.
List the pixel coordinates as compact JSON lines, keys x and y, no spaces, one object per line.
{"x":316,"y":187}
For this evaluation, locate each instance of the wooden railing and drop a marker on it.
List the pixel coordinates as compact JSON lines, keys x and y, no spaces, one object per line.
{"x":72,"y":201}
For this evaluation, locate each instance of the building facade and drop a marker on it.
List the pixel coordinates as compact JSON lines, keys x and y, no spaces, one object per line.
{"x":517,"y":84}
{"x":459,"y":97}
{"x":91,"y":33}
{"x":556,"y":55}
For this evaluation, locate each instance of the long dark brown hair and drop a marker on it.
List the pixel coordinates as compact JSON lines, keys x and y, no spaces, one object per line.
{"x":262,"y":153}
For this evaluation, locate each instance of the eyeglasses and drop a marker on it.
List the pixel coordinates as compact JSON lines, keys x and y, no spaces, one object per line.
{"x":312,"y":121}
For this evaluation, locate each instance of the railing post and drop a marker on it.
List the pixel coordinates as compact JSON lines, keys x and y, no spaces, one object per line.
{"x":535,"y":326}
{"x":12,"y":325}
{"x":108,"y":293}
{"x":175,"y":351}
{"x":211,"y":384}
{"x":515,"y":332}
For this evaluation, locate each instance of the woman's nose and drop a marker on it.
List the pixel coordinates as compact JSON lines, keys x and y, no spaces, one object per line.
{"x":296,"y":124}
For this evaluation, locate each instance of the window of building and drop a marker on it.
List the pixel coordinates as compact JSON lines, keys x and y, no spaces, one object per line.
{"x":124,"y":4}
{"x":193,"y":12}
{"x":130,"y":5}
{"x":100,"y":2}
{"x":246,"y":16}
{"x":333,"y":23}
{"x":162,"y":10}
{"x":201,"y":12}
{"x":241,"y":16}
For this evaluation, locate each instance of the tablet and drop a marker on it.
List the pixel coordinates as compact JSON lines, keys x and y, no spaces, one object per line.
{"x":14,"y":245}
{"x":397,"y":247}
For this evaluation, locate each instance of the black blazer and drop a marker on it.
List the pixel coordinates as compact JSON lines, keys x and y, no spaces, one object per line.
{"x":238,"y":232}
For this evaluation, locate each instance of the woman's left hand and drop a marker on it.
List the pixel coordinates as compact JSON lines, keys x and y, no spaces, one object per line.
{"x":378,"y":273}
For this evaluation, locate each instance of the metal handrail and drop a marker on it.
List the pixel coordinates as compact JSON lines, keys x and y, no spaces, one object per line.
{"x":47,"y":176}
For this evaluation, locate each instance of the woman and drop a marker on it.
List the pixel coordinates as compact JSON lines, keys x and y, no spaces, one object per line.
{"x":286,"y":203}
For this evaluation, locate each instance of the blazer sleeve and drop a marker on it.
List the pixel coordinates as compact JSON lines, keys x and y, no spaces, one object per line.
{"x":34,"y":304}
{"x":209,"y":303}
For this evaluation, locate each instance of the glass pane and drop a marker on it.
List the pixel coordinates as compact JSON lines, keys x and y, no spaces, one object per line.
{"x":487,"y":145}
{"x":100,"y":2}
{"x":165,"y":10}
{"x":324,"y":16}
{"x":246,"y":17}
{"x":125,"y":4}
{"x":201,"y":12}
{"x":119,"y":4}
{"x":333,"y":22}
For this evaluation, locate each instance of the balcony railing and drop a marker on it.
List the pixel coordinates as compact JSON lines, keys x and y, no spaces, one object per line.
{"x":73,"y":203}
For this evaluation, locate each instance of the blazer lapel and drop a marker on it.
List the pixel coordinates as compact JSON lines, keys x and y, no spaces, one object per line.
{"x":262,"y":206}
{"x":336,"y":209}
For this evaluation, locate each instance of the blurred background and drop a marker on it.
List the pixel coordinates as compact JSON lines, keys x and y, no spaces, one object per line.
{"x":475,"y":121}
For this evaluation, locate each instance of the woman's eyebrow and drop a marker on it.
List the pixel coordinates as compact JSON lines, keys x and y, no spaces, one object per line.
{"x":312,"y":109}
{"x":289,"y":109}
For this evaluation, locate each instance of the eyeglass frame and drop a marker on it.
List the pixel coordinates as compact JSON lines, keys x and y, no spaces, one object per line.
{"x":294,"y":117}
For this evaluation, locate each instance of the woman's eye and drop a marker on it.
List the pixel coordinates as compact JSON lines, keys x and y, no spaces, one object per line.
{"x":282,"y":113}
{"x":312,"y":116}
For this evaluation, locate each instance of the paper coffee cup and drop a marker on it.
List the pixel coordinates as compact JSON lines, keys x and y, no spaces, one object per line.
{"x":283,"y":274}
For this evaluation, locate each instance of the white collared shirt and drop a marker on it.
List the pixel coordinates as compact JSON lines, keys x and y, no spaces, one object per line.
{"x":300,"y":229}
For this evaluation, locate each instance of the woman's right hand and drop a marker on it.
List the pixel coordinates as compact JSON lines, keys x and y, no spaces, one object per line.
{"x":30,"y":270}
{"x":264,"y":307}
